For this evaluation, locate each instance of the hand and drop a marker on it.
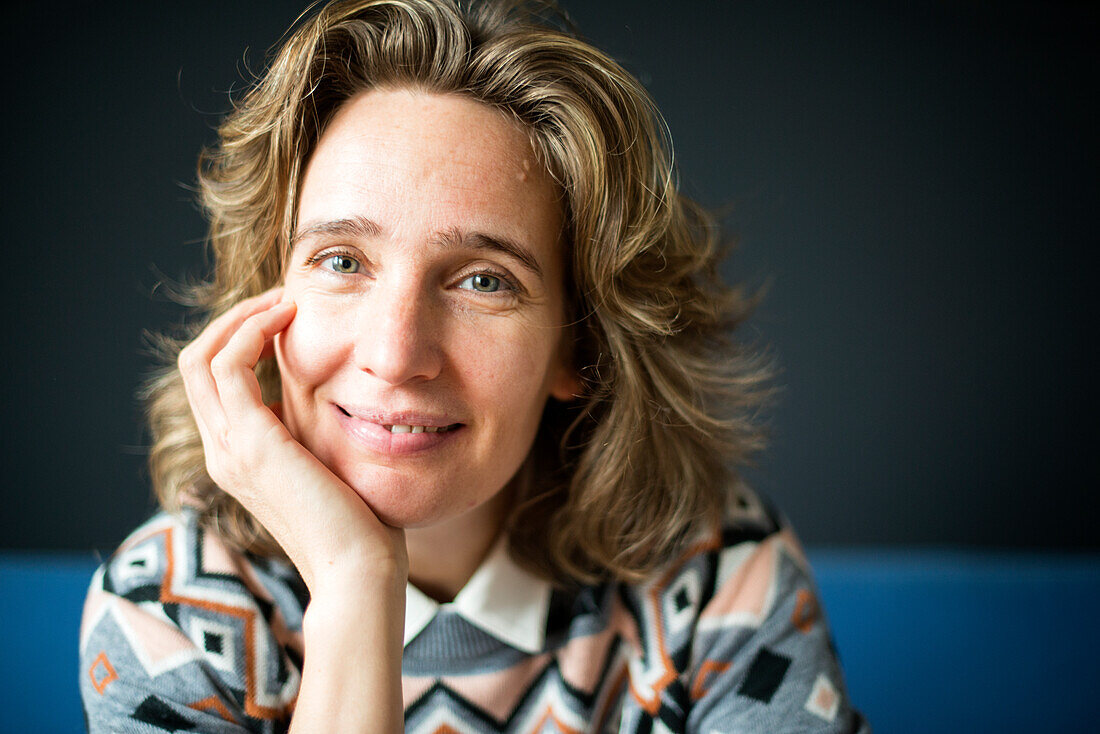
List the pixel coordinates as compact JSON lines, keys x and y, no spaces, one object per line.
{"x":326,"y":529}
{"x":354,"y":566}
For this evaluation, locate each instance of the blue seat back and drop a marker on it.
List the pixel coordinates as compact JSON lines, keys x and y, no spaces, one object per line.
{"x":931,"y":641}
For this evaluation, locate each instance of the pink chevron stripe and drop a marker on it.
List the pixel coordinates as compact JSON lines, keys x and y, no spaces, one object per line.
{"x":582,"y":660}
{"x":413,"y":687}
{"x":747,"y":591}
{"x":158,"y":638}
{"x":499,"y":692}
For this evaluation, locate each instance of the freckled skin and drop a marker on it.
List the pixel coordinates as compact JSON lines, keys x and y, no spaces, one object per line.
{"x":407,"y":331}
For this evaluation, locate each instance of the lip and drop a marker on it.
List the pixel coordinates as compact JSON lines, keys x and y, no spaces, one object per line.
{"x":368,"y":427}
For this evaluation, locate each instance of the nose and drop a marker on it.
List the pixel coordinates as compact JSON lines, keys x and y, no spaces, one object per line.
{"x":397,"y":336}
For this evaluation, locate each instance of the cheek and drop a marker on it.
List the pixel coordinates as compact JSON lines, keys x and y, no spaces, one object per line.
{"x":511,"y":369}
{"x":312,"y":348}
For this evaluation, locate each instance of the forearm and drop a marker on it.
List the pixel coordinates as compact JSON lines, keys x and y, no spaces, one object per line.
{"x":354,"y":566}
{"x":351,"y":677}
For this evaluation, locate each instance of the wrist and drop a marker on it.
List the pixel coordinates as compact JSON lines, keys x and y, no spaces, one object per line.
{"x":355,"y":570}
{"x":345,"y":598}
{"x":351,"y":676}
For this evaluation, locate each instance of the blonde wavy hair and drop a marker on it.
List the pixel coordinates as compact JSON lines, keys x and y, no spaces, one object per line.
{"x":649,"y":453}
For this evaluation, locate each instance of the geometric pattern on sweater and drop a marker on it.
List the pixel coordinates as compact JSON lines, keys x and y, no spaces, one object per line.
{"x":181,"y":633}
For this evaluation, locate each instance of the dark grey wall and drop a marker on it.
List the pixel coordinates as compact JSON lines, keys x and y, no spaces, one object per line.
{"x":918,"y":181}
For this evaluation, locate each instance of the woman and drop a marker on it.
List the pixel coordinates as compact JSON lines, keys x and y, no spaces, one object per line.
{"x":454,"y":450}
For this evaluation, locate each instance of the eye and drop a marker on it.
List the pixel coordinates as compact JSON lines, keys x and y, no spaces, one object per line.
{"x":342,"y":264}
{"x":482,"y":283}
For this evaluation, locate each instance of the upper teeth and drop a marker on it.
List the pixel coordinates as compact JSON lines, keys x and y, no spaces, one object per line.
{"x":416,"y":429}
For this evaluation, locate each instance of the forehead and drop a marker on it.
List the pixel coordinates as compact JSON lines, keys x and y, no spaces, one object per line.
{"x":442,"y":155}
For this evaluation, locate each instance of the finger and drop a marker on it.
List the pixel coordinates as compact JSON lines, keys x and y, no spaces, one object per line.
{"x":202,"y":393}
{"x":214,"y":337}
{"x":194,"y":363}
{"x":233,"y":366}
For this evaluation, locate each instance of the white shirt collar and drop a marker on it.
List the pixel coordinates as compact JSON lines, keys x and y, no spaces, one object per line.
{"x":500,"y":598}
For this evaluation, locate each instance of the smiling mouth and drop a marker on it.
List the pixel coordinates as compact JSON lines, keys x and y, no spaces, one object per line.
{"x":401,"y":428}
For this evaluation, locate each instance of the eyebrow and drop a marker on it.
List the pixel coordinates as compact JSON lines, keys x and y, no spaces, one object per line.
{"x":362,"y":227}
{"x":454,"y":237}
{"x":353,"y":227}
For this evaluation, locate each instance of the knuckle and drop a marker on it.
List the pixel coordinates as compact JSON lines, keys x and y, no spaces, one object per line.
{"x":218,"y":460}
{"x":186,"y":359}
{"x":221,"y":366}
{"x":229,"y":457}
{"x":214,"y":468}
{"x":250,"y":328}
{"x":224,"y":442}
{"x":275,"y":435}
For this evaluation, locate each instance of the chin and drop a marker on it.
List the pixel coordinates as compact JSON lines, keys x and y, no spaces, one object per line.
{"x":397,"y":501}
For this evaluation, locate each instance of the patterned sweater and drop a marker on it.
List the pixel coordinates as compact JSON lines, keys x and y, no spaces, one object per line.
{"x":182,"y":634}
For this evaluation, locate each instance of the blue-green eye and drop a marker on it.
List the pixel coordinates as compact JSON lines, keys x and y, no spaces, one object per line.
{"x":342,"y":264}
{"x":482,"y":283}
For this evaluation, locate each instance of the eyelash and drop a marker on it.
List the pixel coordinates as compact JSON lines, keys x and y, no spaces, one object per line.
{"x":508,"y":285}
{"x":329,"y":254}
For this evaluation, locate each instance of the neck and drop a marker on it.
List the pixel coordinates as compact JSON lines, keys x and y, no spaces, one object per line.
{"x":443,"y":557}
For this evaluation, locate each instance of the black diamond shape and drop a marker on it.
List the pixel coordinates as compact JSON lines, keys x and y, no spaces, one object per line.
{"x":681,"y":600}
{"x":765,"y":674}
{"x":138,"y":594}
{"x":212,"y":642}
{"x":156,"y":712}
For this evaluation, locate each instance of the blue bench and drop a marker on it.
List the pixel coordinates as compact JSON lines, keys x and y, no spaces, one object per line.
{"x":931,"y":641}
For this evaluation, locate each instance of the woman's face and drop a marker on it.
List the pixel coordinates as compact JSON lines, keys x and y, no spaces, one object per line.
{"x":427,"y":270}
